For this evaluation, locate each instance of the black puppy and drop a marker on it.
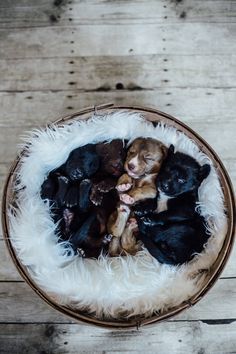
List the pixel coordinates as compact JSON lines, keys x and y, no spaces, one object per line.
{"x":82,"y":163}
{"x":69,"y":184}
{"x":68,"y":188}
{"x":175,"y":231}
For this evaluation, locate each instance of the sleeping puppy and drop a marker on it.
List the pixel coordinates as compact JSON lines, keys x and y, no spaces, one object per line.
{"x":70,"y":181}
{"x":82,"y":163}
{"x":143,"y":162}
{"x":112,"y":157}
{"x":175,"y":231}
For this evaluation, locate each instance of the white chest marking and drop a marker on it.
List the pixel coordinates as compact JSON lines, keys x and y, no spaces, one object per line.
{"x":162,"y":202}
{"x":134,"y":160}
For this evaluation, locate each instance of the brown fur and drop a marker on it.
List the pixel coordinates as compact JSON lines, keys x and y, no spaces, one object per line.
{"x":143,"y":162}
{"x":127,"y":243}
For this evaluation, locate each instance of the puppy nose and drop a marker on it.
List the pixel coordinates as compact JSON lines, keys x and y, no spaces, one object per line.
{"x":131,"y":166}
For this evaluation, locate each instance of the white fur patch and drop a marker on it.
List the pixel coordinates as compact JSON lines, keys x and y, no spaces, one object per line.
{"x":162,"y":202}
{"x":107,"y":286}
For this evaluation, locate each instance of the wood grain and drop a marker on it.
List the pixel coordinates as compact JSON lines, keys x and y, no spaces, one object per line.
{"x":169,"y":337}
{"x":136,"y":72}
{"x":41,"y":107}
{"x":15,"y":14}
{"x":90,"y":40}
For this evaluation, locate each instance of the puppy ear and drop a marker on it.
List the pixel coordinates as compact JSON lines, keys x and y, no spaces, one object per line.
{"x":171,"y":150}
{"x":204,"y":172}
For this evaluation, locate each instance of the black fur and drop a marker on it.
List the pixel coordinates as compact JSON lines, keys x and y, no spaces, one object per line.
{"x":180,"y":173}
{"x":82,"y":163}
{"x":68,"y":188}
{"x":174,"y":235}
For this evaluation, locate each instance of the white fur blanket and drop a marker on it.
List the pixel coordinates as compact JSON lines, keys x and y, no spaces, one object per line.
{"x":110,"y":287}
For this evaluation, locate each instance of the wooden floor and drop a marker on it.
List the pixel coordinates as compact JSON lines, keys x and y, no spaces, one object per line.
{"x":59,"y":56}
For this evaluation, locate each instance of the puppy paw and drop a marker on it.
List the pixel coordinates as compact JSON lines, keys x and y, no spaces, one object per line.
{"x":107,"y":239}
{"x":146,"y":220}
{"x":96,"y":197}
{"x":132,"y":224}
{"x":127,"y":199}
{"x":124,"y":209}
{"x":106,"y":186}
{"x":124,"y":187}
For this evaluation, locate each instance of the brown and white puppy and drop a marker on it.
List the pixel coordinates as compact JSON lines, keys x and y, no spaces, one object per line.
{"x":143,"y":162}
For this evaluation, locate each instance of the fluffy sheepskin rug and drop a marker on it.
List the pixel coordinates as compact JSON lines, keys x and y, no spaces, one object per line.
{"x":108,"y":287}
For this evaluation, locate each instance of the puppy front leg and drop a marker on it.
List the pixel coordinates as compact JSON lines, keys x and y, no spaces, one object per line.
{"x":115,"y":249}
{"x":124,"y":183}
{"x":116,"y":225}
{"x":128,"y":240}
{"x":137,"y":194}
{"x":164,"y":218}
{"x":118,"y":219}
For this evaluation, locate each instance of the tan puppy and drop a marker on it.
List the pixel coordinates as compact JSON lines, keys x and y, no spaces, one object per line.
{"x":143,"y":162}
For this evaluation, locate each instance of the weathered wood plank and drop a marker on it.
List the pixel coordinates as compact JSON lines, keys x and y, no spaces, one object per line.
{"x":18,"y":303}
{"x":166,"y":337}
{"x":92,"y":40}
{"x":8,"y":271}
{"x":140,"y":72}
{"x":192,"y":105}
{"x":16,"y":14}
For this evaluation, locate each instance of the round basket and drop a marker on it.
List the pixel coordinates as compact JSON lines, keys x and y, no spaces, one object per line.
{"x":215,"y":270}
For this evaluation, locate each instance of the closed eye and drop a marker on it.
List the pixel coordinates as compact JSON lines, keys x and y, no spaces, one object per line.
{"x":149,"y":158}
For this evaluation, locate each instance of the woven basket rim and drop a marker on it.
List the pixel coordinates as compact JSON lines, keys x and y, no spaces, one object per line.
{"x":221,"y":259}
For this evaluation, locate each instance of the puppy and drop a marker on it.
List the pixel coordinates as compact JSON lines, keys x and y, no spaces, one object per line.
{"x":175,"y":231}
{"x":112,"y":156}
{"x":143,"y":162}
{"x":81,"y":164}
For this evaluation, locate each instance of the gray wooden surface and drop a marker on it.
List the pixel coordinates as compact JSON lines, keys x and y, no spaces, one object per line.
{"x":59,"y":56}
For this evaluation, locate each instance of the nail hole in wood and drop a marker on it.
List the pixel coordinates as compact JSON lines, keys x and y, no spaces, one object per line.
{"x":119,"y":86}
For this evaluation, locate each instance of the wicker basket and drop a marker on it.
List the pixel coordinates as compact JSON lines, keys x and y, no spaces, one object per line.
{"x":154,"y":116}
